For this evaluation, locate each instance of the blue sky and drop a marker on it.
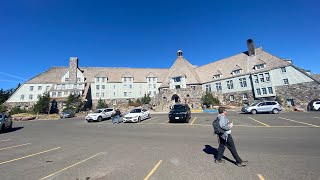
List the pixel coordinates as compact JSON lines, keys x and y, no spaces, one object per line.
{"x":38,"y":34}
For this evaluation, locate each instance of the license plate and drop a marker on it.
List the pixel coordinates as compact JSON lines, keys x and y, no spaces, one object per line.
{"x":176,"y":117}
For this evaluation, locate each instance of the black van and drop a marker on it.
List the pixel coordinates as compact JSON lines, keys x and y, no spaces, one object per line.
{"x":180,"y":112}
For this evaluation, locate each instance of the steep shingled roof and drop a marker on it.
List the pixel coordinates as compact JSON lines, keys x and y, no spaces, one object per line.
{"x":181,"y":67}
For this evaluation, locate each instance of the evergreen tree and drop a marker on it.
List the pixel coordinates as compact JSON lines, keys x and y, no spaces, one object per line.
{"x":208,"y":100}
{"x":145,"y":99}
{"x":74,"y":102}
{"x":43,"y":103}
{"x":101,"y":104}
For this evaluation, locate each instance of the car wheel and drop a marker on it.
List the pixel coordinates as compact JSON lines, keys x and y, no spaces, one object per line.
{"x":10,"y":126}
{"x":275,"y":111}
{"x":187,"y":120}
{"x":253,"y":111}
{"x":139,"y":119}
{"x":2,"y":129}
{"x":149,"y":116}
{"x":99,"y":119}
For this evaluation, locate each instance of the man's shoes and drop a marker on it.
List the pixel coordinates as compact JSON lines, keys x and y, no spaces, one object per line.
{"x":219,"y":161}
{"x":242,"y":164}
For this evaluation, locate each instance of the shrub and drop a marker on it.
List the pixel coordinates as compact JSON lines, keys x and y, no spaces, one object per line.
{"x":208,"y":100}
{"x":101,"y":104}
{"x":42,"y":105}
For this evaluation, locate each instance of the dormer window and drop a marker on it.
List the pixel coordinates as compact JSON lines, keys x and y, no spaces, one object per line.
{"x":67,"y":79}
{"x":217,"y":76}
{"x":238,"y":71}
{"x":177,"y":79}
{"x":260,"y":66}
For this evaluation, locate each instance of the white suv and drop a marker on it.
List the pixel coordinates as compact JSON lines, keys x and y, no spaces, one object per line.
{"x":264,"y":106}
{"x":316,"y":105}
{"x":100,"y":114}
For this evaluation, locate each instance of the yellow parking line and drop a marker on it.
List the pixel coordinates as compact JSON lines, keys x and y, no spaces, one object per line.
{"x":317,"y":117}
{"x":14,"y":146}
{"x":193,"y":120}
{"x":153,"y":170}
{"x":260,"y":177}
{"x":29,"y":155}
{"x":259,"y":122}
{"x":298,"y":122}
{"x":69,"y":167}
{"x":5,"y":140}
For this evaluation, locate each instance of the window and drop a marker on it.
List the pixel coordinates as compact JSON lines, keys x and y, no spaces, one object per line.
{"x":103,"y":87}
{"x":264,"y":91}
{"x":193,"y":87}
{"x":216,"y":76}
{"x":59,"y":94}
{"x":39,"y":88}
{"x":103,"y":79}
{"x":54,"y":94}
{"x":255,"y":77}
{"x":283,"y":70}
{"x":258,"y":92}
{"x":124,"y":79}
{"x":177,"y":79}
{"x":154,"y":79}
{"x":243,"y":82}
{"x":149,"y":79}
{"x":230,"y":84}
{"x":178,"y":87}
{"x":261,"y":77}
{"x":267,"y":75}
{"x":31,"y":88}
{"x":244,"y":96}
{"x":208,"y":88}
{"x":30,"y":96}
{"x":22,"y":97}
{"x":97,"y":87}
{"x":149,"y":86}
{"x":260,"y":66}
{"x":285,"y":81}
{"x":231,"y":97}
{"x":218,"y":86}
{"x":154,"y":86}
{"x":58,"y":86}
{"x":114,"y":93}
{"x":270,"y":90}
{"x":130,"y":86}
{"x":63,"y":86}
{"x":66,"y":79}
{"x":97,"y":95}
{"x":125,"y":94}
{"x":102,"y":94}
{"x":78,"y":79}
{"x":47,"y":88}
{"x":75,"y":86}
{"x":238,"y":71}
{"x":114,"y":86}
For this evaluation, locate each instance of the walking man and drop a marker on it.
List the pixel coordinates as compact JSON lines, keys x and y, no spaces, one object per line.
{"x":225,"y":139}
{"x":117,"y":115}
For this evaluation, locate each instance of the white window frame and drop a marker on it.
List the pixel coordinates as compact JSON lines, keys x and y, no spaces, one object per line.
{"x":218,"y":86}
{"x":230,"y":84}
{"x":243,"y":82}
{"x":270,"y":90}
{"x":231,"y":98}
{"x":283,"y":70}
{"x":258,"y":91}
{"x":267,"y":76}
{"x":285,"y":81}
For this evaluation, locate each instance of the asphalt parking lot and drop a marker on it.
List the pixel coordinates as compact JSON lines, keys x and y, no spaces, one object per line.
{"x":277,"y":146}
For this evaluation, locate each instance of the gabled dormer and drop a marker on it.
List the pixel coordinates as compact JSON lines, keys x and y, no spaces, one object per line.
{"x":127,"y":78}
{"x":236,"y":70}
{"x":260,"y":65}
{"x":151,"y":78}
{"x":101,"y":77}
{"x":217,"y":75}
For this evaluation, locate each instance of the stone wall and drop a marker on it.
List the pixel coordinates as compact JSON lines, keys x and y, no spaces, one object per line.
{"x":238,"y":100}
{"x":301,"y":93}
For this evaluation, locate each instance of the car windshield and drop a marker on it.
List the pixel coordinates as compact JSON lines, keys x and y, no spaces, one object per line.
{"x":67,"y":111}
{"x":135,"y":111}
{"x":253,"y":104}
{"x":98,"y":111}
{"x":179,"y":107}
{"x":0,"y":115}
{"x":108,"y":110}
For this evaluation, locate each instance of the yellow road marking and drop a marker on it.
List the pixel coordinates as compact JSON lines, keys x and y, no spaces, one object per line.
{"x":298,"y":122}
{"x":259,"y":122}
{"x":29,"y":156}
{"x":193,"y":120}
{"x":14,"y":146}
{"x":5,"y":140}
{"x":153,"y":170}
{"x":69,"y":167}
{"x":260,"y":177}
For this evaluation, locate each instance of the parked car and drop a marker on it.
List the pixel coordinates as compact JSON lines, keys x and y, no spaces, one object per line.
{"x":264,"y":106}
{"x":99,"y":115}
{"x":5,"y":122}
{"x":137,"y":115}
{"x":69,"y":113}
{"x":316,"y":105}
{"x":180,"y":112}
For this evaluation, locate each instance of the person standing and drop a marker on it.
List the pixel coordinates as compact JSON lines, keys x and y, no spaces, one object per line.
{"x":225,"y":139}
{"x":117,"y":114}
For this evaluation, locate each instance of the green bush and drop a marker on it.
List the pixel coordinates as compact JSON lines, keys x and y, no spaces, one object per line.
{"x":42,"y":105}
{"x":101,"y":104}
{"x":17,"y":110}
{"x":208,"y":100}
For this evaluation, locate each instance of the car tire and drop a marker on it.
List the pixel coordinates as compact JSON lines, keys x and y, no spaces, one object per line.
{"x":99,"y":119}
{"x":10,"y":126}
{"x":149,"y":116}
{"x":275,"y":111}
{"x":187,"y":120}
{"x":253,"y":111}
{"x":2,"y":129}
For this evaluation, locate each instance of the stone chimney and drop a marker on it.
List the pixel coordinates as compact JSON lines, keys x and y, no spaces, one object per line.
{"x":73,"y":69}
{"x":251,"y":47}
{"x":179,"y":53}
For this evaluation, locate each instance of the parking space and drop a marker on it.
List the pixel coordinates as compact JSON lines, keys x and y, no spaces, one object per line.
{"x":157,"y":149}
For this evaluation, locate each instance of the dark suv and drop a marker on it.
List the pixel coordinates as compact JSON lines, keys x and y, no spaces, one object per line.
{"x":180,"y":112}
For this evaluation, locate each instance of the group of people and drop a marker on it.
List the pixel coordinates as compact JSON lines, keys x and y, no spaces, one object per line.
{"x":225,"y":139}
{"x":117,"y":115}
